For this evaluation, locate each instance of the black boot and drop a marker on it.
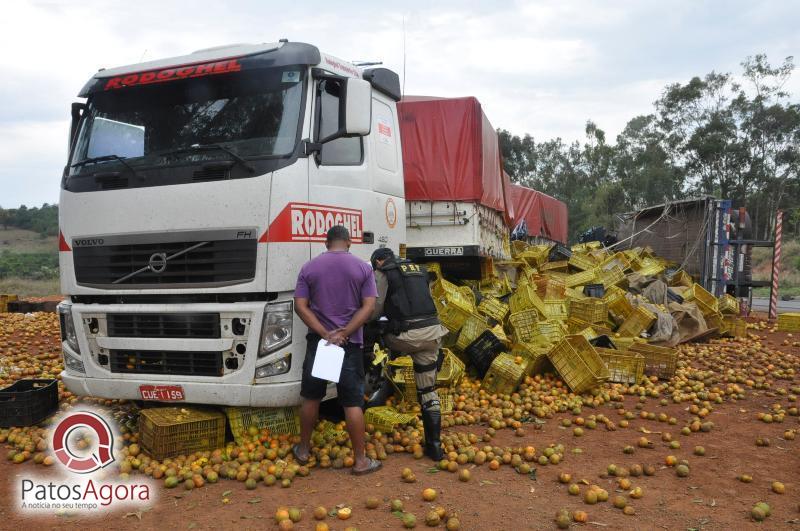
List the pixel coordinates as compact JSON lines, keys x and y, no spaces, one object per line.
{"x":381,"y":395}
{"x":432,"y":423}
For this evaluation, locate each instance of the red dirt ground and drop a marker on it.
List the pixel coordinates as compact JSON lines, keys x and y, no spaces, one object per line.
{"x":711,"y":498}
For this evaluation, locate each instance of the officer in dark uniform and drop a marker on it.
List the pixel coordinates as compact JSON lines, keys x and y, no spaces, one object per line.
{"x":413,"y":329}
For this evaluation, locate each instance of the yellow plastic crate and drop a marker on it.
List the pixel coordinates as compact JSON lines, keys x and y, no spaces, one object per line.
{"x":278,"y":420}
{"x":525,"y":298}
{"x":517,"y":248}
{"x":611,"y":277}
{"x":681,"y":278}
{"x":523,"y":323}
{"x":408,"y":393}
{"x":549,"y":286}
{"x":474,"y":326}
{"x":706,"y":302}
{"x":451,"y":316}
{"x":555,"y":309}
{"x":617,"y":302}
{"x":623,"y":367}
{"x":468,"y":294}
{"x":589,"y":333}
{"x":535,"y":357}
{"x":789,"y":322}
{"x":573,"y":294}
{"x":658,"y":361}
{"x":536,"y":255}
{"x":590,"y":309}
{"x":560,"y":265}
{"x":492,"y":288}
{"x":619,"y":259}
{"x":714,"y":320}
{"x":637,"y":322}
{"x":728,"y":304}
{"x":575,"y":325}
{"x":460,"y":296}
{"x":579,"y":248}
{"x":435,"y":268}
{"x":385,"y":418}
{"x":582,"y":262}
{"x":452,"y":370}
{"x":492,"y":307}
{"x":4,"y":300}
{"x":446,"y":400}
{"x":625,"y":343}
{"x":172,"y":431}
{"x":579,"y":279}
{"x":504,"y":375}
{"x":734,"y":326}
{"x":450,"y":375}
{"x":578,"y":363}
{"x":651,"y":267}
{"x":549,"y":331}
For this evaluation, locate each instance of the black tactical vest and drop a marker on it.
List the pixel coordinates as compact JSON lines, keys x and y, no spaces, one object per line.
{"x":408,"y":297}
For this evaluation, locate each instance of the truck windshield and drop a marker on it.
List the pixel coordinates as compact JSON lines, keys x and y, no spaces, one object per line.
{"x":254,"y":114}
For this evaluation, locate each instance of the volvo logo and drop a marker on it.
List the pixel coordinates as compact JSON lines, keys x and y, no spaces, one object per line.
{"x":157,"y":262}
{"x":87,"y":242}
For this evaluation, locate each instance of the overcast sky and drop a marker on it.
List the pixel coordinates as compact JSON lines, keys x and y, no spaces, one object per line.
{"x":539,"y":67}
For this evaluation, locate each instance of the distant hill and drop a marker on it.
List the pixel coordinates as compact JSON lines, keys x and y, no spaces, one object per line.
{"x":790,"y":268}
{"x":27,"y":241}
{"x":43,"y":220}
{"x":28,"y":262}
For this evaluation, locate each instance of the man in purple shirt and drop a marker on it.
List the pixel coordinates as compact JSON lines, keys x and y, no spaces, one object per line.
{"x":335,"y":296}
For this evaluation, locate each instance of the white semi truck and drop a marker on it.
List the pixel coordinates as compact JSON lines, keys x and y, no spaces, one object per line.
{"x":196,"y":188}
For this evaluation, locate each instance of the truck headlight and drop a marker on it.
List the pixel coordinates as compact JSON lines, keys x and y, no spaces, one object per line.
{"x":276,"y":330}
{"x":68,"y":332}
{"x":279,"y":366}
{"x":73,"y":364}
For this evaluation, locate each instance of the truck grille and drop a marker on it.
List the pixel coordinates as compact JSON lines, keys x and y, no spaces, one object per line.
{"x":188,"y":325}
{"x":185,"y":363}
{"x":213,"y":262}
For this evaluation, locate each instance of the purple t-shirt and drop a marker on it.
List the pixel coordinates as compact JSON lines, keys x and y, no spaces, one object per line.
{"x":334,"y":284}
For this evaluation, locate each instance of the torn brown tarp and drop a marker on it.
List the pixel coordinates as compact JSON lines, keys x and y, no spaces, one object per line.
{"x":682,"y":321}
{"x":652,"y":289}
{"x":689,"y":319}
{"x":665,"y":330}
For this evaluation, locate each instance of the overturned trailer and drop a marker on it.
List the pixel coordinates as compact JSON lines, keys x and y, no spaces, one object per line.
{"x":705,"y":237}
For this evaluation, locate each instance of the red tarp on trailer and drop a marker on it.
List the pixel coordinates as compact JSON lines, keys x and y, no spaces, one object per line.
{"x":451,"y":152}
{"x":545,"y":216}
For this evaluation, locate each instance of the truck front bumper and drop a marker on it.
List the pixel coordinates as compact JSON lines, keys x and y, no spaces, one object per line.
{"x":257,"y":395}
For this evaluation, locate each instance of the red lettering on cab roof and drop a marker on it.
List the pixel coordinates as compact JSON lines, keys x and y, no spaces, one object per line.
{"x":173,"y":73}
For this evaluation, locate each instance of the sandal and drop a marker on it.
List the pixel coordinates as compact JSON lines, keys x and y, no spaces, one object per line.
{"x":297,"y":457}
{"x":374,"y":465}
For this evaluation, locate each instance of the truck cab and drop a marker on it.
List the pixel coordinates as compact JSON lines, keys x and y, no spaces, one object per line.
{"x":196,"y":188}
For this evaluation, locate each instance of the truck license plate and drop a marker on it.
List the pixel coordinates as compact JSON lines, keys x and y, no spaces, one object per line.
{"x":163,"y":393}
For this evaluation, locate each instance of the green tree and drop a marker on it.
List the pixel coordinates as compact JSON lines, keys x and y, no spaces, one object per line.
{"x":700,"y":132}
{"x":770,"y":128}
{"x":644,"y":168}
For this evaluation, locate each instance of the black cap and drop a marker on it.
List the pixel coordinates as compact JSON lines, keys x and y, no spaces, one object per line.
{"x":381,"y":253}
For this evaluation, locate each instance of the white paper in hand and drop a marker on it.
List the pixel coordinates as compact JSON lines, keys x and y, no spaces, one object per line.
{"x":328,"y":361}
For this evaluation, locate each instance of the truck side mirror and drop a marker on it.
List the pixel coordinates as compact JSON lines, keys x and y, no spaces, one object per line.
{"x":344,"y":108}
{"x":358,"y":107}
